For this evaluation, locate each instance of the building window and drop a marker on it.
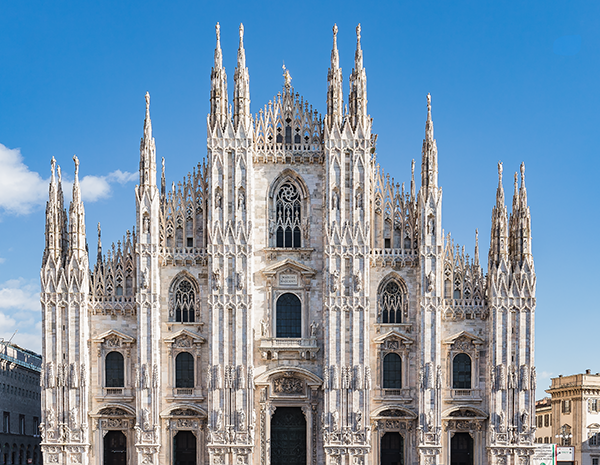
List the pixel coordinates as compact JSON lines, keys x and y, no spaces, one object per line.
{"x":115,"y":370}
{"x":566,"y":406}
{"x":594,"y":460}
{"x":547,"y":440}
{"x":184,"y":370}
{"x":540,"y":419}
{"x":594,"y":405}
{"x":21,"y":424}
{"x":288,"y":211}
{"x":36,"y":426}
{"x":289,"y":316}
{"x":546,"y":420}
{"x":461,"y":372}
{"x":392,"y":371}
{"x":6,"y":422}
{"x":185,"y":300}
{"x":593,"y":439}
{"x":391,"y":303}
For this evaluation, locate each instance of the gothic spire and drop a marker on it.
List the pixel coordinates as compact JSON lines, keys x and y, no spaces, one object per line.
{"x":218,"y":87}
{"x":241,"y":93}
{"x":412,"y":181}
{"x":147,"y":151}
{"x":163,"y":182}
{"x":520,"y":224}
{"x":476,"y":255}
{"x":335,"y":100}
{"x":77,"y":219}
{"x":358,"y":86}
{"x":429,"y":168}
{"x":99,"y":256}
{"x":499,"y":239}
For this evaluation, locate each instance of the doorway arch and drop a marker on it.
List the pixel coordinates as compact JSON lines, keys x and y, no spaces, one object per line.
{"x":392,"y":449}
{"x":184,"y":448}
{"x":115,"y":448}
{"x":288,"y":436}
{"x":461,"y":449}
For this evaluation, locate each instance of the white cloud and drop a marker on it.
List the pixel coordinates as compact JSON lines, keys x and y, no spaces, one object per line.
{"x":18,"y":294}
{"x":23,"y":190}
{"x":2,"y":260}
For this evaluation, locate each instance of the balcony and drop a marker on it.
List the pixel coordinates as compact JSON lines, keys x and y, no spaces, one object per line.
{"x":462,"y":395}
{"x":288,"y":348}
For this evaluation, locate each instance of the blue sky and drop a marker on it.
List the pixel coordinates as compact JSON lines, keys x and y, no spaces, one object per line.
{"x":510,"y":81}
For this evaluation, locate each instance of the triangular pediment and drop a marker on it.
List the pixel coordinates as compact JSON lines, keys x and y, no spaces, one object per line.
{"x":466,"y":335}
{"x":114,"y":335}
{"x":290,"y":264}
{"x":185,"y":334}
{"x":393,"y":335}
{"x":594,"y":426}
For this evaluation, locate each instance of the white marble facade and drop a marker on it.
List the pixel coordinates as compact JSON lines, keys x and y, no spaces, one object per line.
{"x":287,"y":282}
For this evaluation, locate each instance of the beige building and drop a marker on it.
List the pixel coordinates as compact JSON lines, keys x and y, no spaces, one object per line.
{"x":576,"y":415}
{"x":288,"y":303}
{"x":543,"y":421}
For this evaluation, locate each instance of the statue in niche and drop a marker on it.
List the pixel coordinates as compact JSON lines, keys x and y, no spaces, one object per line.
{"x":314,"y":326}
{"x":264,"y":328}
{"x":240,"y":280}
{"x":359,"y":200}
{"x":335,"y":201}
{"x":218,"y":199}
{"x":146,"y":225}
{"x":430,"y":225}
{"x":241,"y":200}
{"x":336,"y":420}
{"x":217,"y":279}
{"x":144,"y":282}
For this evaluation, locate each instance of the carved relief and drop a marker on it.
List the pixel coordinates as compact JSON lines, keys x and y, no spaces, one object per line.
{"x":288,"y":385}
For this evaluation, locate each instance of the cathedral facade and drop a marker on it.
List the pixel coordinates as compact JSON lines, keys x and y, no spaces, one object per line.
{"x":287,"y":303}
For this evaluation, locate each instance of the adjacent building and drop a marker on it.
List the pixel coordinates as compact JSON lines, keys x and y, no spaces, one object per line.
{"x":543,"y":421}
{"x":288,"y":302}
{"x":575,"y":415}
{"x":20,"y":401}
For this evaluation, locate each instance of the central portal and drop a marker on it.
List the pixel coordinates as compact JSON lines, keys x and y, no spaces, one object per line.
{"x":461,"y":449}
{"x":115,"y":448}
{"x":184,"y":444}
{"x":288,"y":437}
{"x":392,"y":449}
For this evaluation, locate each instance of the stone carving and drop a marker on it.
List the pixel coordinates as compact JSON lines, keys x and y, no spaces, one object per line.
{"x":512,"y":377}
{"x":335,"y":377}
{"x":264,"y":328}
{"x":288,"y":385}
{"x":240,"y":280}
{"x":501,"y":376}
{"x":524,"y":378}
{"x":346,"y":377}
{"x":358,"y":282}
{"x":335,"y":416}
{"x":241,"y":379}
{"x":229,"y":373}
{"x":216,"y":279}
{"x":313,"y":329}
{"x":533,"y":379}
{"x":144,"y":377}
{"x":74,"y":376}
{"x":367,"y":377}
{"x":144,"y":280}
{"x":334,"y":277}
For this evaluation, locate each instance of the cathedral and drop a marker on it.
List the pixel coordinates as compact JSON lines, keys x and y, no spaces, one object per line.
{"x":287,"y":303}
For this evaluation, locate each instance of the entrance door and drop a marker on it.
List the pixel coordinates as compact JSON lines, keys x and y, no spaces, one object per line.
{"x":115,"y":448}
{"x":461,"y":449}
{"x":184,"y":445}
{"x":392,"y":449}
{"x":288,"y":437}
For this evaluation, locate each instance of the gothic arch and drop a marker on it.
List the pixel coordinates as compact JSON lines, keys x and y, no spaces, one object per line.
{"x":289,"y":175}
{"x":172,"y":409}
{"x":403,"y":411}
{"x":113,"y":405}
{"x":177,"y":280}
{"x":464,"y":411}
{"x":310,"y":378}
{"x":397,"y":307}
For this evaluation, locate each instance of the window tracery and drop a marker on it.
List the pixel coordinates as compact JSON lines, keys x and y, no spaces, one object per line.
{"x":288,"y":216}
{"x":183,"y":301}
{"x":392,"y":301}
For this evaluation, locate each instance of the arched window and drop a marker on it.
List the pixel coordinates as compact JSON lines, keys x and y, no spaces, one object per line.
{"x":184,"y":370}
{"x":184,"y":302}
{"x":461,"y":372}
{"x":392,"y":371}
{"x":288,"y":216}
{"x":391,"y":302}
{"x":289,"y":316}
{"x":115,"y":370}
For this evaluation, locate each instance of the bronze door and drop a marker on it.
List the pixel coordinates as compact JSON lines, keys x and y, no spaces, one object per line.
{"x":461,"y":449}
{"x":288,"y":437}
{"x":115,"y":448}
{"x":392,"y":449}
{"x":184,"y":445}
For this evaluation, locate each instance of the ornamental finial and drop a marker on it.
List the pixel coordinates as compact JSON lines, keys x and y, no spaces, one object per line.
{"x":286,"y":76}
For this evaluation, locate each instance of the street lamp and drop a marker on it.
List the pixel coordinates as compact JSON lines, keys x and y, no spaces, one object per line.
{"x":565,"y":435}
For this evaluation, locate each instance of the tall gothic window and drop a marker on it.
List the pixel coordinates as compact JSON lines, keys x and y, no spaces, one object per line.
{"x":289,"y":316}
{"x":392,"y":371}
{"x":390,"y":301}
{"x":115,"y":370}
{"x":185,"y":300}
{"x":461,"y":372}
{"x":184,"y":370}
{"x":288,"y":216}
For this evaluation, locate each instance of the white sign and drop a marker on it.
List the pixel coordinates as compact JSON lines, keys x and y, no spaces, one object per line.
{"x":288,"y":279}
{"x":544,"y":454}
{"x":565,"y":454}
